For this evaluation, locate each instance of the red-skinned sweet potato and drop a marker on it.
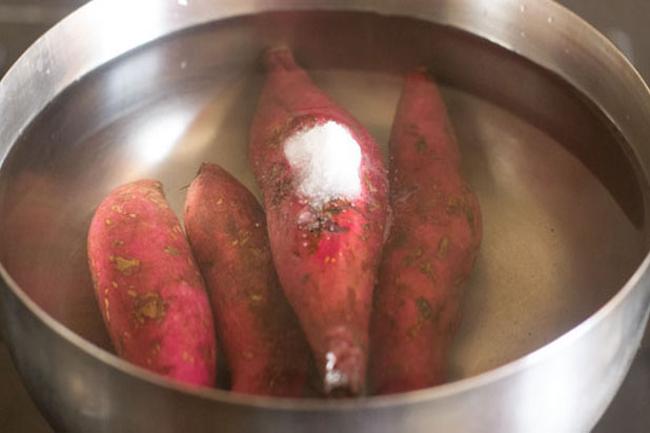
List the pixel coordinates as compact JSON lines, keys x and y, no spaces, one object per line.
{"x":325,"y":195}
{"x":148,"y":286}
{"x":264,"y":346}
{"x":434,"y":239}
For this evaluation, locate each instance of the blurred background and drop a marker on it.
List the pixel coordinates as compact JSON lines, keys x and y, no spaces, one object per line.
{"x":624,"y":22}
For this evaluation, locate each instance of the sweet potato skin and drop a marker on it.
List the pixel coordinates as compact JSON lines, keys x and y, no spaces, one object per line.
{"x":264,"y":346}
{"x":149,"y":289}
{"x":434,"y":239}
{"x":326,"y":258}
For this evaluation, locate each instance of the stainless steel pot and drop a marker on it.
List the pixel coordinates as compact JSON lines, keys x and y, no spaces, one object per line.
{"x":553,"y":125}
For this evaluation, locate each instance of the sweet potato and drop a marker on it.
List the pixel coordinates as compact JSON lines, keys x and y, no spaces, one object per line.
{"x":259,"y":334}
{"x":434,"y":239}
{"x":325,"y":193}
{"x":149,"y":289}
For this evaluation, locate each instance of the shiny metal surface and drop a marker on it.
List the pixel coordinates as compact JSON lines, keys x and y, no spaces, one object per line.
{"x":565,"y":211}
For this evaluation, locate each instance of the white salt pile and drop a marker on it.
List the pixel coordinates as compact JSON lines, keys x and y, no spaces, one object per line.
{"x":326,"y":159}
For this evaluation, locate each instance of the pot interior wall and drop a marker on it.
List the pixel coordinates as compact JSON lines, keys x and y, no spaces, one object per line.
{"x":563,"y":211}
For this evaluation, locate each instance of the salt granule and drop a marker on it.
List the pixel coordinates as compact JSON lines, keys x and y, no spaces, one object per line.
{"x":326,"y":159}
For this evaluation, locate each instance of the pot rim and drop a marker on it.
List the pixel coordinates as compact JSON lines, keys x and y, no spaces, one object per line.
{"x":438,"y":392}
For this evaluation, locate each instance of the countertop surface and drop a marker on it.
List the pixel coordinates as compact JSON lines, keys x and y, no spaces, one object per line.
{"x":623,"y":22}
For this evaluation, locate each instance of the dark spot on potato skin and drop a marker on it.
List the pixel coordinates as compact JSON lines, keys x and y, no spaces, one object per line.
{"x":171,"y":251}
{"x":149,"y":306}
{"x":421,"y":145}
{"x":424,"y":309}
{"x":443,"y":248}
{"x":126,"y":266}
